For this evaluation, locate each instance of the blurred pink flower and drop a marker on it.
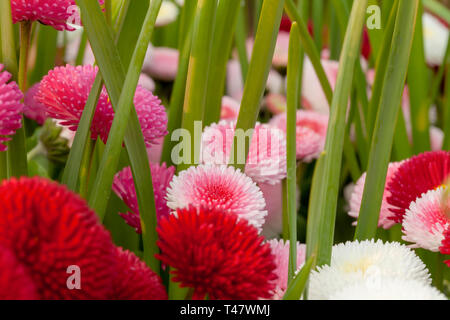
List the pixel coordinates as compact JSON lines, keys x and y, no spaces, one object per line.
{"x":230,"y":109}
{"x":280,"y":249}
{"x":161,"y":63}
{"x":276,"y":103}
{"x":33,"y":109}
{"x":266,"y":161}
{"x":311,"y":88}
{"x":124,"y":188}
{"x":385,"y":220}
{"x":11,"y":108}
{"x":64,"y":92}
{"x":146,"y":82}
{"x":273,"y":194}
{"x":425,"y":221}
{"x":311,"y":133}
{"x":218,"y":187}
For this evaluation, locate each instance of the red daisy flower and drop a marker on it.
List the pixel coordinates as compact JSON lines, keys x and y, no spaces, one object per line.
{"x":136,"y":281}
{"x":15,"y":282}
{"x":50,"y":229}
{"x":445,"y":248}
{"x":415,"y":177}
{"x":65,"y":90}
{"x":216,"y":255}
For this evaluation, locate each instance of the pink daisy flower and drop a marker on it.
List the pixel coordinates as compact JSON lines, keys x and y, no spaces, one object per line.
{"x":161,"y":63}
{"x":64,"y":92}
{"x":280,"y":249}
{"x":311,"y":133}
{"x":124,"y":188}
{"x":55,"y":13}
{"x":230,"y":109}
{"x":266,"y":161}
{"x":425,"y":221}
{"x":33,"y":109}
{"x":275,"y":103}
{"x":220,"y":187}
{"x":11,"y":108}
{"x":385,"y":221}
{"x":415,"y":177}
{"x":273,"y":194}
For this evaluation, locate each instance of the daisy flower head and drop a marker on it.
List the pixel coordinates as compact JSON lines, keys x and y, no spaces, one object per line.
{"x":161,"y":63}
{"x":50,"y":229}
{"x":33,"y":109}
{"x":135,"y":280}
{"x":390,"y":289}
{"x":415,"y":177}
{"x":425,"y":221}
{"x":15,"y":282}
{"x":385,"y":220}
{"x":230,"y":109}
{"x":60,"y":14}
{"x":311,"y":133}
{"x":280,"y":249}
{"x":124,"y":188}
{"x":266,"y":162}
{"x":365,"y":262}
{"x":221,"y":187}
{"x":11,"y":108}
{"x":273,"y":194}
{"x":65,"y":90}
{"x":216,"y":254}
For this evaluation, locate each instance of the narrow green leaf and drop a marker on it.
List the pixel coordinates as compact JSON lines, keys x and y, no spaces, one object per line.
{"x":318,"y":12}
{"x":293,"y":83}
{"x":113,"y":73}
{"x":298,"y":285}
{"x":320,"y":233}
{"x":241,"y":41}
{"x":258,"y":72}
{"x":390,"y":101}
{"x":9,"y":57}
{"x":46,"y":52}
{"x":227,"y":13}
{"x":196,"y":86}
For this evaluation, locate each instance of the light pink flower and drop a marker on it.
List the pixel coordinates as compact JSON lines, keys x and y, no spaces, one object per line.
{"x":425,"y":221}
{"x":56,"y":13}
{"x":275,"y":103}
{"x":273,"y":194}
{"x":64,"y":92}
{"x":230,"y":109}
{"x":161,"y":63}
{"x":33,"y":109}
{"x":266,"y":161}
{"x":218,"y":187}
{"x":154,"y":152}
{"x":146,"y":82}
{"x":11,"y":108}
{"x":385,"y":220}
{"x":280,"y":249}
{"x":311,"y":88}
{"x":311,"y":133}
{"x":124,"y":188}
{"x":280,"y":57}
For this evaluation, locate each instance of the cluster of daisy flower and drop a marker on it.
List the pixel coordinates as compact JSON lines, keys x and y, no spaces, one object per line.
{"x":218,"y":226}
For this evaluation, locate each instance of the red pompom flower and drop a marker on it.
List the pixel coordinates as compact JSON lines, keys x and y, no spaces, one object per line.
{"x":65,"y":90}
{"x":50,"y":229}
{"x":445,"y":248}
{"x":415,"y":177}
{"x":136,"y":281}
{"x":216,"y":255}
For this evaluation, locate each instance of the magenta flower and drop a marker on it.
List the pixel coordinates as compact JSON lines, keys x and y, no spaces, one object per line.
{"x":56,"y":13}
{"x":11,"y":108}
{"x":124,"y":188}
{"x":64,"y":92}
{"x":311,"y":133}
{"x":33,"y":109}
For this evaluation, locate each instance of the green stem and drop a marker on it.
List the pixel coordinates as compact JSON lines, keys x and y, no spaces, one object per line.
{"x":17,"y":155}
{"x":9,"y":58}
{"x":3,"y":166}
{"x":197,"y":80}
{"x":293,"y":98}
{"x":86,"y":169}
{"x":320,"y":233}
{"x":383,"y":136}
